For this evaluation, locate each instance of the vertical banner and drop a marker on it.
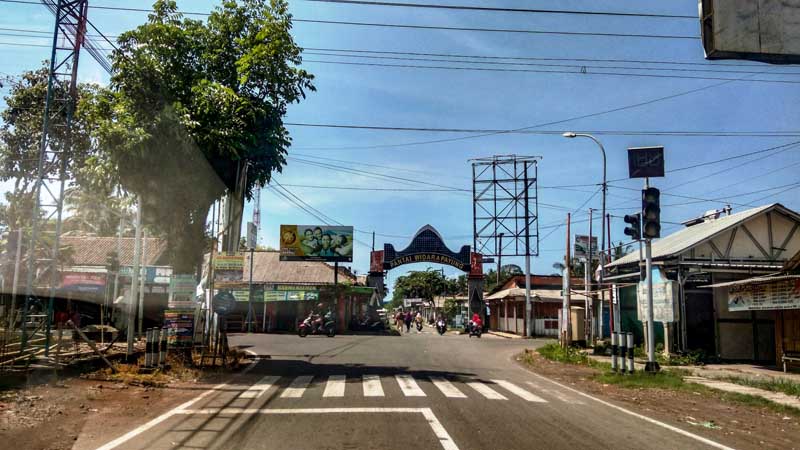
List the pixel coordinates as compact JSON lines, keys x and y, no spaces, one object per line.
{"x":376,"y":261}
{"x":475,"y":265}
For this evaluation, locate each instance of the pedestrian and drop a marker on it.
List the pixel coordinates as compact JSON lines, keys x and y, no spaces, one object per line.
{"x":399,"y":319}
{"x":409,"y":317}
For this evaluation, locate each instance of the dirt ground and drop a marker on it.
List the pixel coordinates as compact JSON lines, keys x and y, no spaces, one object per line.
{"x":734,"y":424}
{"x":77,"y":412}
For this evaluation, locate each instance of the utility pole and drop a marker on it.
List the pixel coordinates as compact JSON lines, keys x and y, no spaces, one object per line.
{"x":142,"y":280}
{"x":15,"y":282}
{"x":137,"y":253}
{"x":565,"y":307}
{"x":588,"y":303}
{"x":528,"y":321}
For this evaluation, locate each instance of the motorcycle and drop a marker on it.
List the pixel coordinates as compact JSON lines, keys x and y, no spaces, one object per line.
{"x":419,"y":325}
{"x":324,"y":325}
{"x":441,"y":326}
{"x":474,"y":329}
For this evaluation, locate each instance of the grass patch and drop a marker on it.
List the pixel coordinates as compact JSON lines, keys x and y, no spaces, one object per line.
{"x":775,"y":384}
{"x":569,"y":355}
{"x":666,"y":379}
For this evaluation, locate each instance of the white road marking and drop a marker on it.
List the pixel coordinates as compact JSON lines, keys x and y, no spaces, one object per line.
{"x":372,"y":386}
{"x":409,"y":386}
{"x":179,"y":410}
{"x":298,"y":387}
{"x":335,"y":386}
{"x":437,"y":427}
{"x":518,"y":391}
{"x":447,"y":388}
{"x":486,"y":391}
{"x":261,"y":386}
{"x":639,"y":416}
{"x":557,"y":394}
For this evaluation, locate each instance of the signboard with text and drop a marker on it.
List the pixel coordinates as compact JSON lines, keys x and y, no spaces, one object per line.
{"x":779,"y":294}
{"x":644,"y":162}
{"x":665,"y":294}
{"x":182,"y":289}
{"x":180,"y":326}
{"x":228,"y":269}
{"x":581,"y":247}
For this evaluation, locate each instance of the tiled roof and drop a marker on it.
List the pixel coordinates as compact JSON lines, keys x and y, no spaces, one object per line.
{"x":683,"y":240}
{"x":269,"y":269}
{"x":92,"y":251}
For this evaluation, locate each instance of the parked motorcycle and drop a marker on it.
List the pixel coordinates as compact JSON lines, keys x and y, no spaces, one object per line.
{"x":324,"y":325}
{"x":441,"y":326}
{"x":474,"y":329}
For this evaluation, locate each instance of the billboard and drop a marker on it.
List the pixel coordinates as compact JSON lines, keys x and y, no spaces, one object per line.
{"x":581,"y":247}
{"x":316,"y":243}
{"x":758,"y":30}
{"x":228,"y":268}
{"x":769,"y":295}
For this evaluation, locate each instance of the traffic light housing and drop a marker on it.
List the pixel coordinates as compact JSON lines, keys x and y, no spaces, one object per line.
{"x":112,"y":262}
{"x":651,"y":213}
{"x":635,"y":228}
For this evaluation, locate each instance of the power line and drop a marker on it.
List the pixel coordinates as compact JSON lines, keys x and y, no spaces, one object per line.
{"x":511,"y":10}
{"x":581,"y":67}
{"x":576,"y":72}
{"x":406,"y":26}
{"x":677,"y":133}
{"x":538,"y":58}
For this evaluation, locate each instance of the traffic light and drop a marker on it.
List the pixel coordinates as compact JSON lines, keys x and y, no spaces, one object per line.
{"x":635,"y":228}
{"x":112,"y":262}
{"x":651,"y":213}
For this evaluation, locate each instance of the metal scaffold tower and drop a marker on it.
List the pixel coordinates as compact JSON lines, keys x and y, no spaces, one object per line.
{"x":68,"y":37}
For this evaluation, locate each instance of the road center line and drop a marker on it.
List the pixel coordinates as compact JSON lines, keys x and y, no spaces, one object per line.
{"x":639,"y":416}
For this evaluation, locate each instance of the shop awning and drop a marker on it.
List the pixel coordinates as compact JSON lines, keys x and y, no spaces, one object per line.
{"x":540,"y":295}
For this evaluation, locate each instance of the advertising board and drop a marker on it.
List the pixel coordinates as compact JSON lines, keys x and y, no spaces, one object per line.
{"x":316,"y":243}
{"x":180,"y":326}
{"x":665,"y":294}
{"x":581,"y":246}
{"x":228,"y":269}
{"x":778,"y":294}
{"x":182,"y":289}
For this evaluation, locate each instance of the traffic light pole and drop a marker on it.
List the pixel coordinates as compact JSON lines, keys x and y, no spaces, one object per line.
{"x":652,"y":365}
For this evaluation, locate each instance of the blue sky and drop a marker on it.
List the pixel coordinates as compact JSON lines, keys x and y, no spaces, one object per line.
{"x":406,"y":97}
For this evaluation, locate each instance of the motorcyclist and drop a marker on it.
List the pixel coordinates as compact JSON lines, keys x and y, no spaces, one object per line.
{"x":418,"y":319}
{"x":476,"y":321}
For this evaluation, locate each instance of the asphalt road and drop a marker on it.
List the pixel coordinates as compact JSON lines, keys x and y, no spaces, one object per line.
{"x":420,"y":391}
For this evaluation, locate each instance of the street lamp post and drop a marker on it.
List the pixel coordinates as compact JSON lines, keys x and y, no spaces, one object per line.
{"x":571,"y":135}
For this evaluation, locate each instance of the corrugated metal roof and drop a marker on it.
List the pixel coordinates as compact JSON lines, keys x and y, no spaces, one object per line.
{"x":755,"y":280}
{"x":689,"y":237}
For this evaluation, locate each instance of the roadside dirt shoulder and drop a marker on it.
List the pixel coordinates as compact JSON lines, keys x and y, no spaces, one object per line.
{"x":704,"y":413}
{"x":83,"y":413}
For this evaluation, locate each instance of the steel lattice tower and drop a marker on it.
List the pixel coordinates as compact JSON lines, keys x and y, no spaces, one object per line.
{"x":68,"y":37}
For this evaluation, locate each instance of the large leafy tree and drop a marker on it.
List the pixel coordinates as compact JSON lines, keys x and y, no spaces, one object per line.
{"x":190,"y":104}
{"x":423,"y":284}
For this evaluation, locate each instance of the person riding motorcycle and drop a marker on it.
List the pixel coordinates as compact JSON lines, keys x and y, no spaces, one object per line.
{"x":476,"y":321}
{"x":418,"y":320}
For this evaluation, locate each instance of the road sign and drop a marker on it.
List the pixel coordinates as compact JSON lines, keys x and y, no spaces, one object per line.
{"x":224,"y":303}
{"x":645,"y":162}
{"x":252,"y":234}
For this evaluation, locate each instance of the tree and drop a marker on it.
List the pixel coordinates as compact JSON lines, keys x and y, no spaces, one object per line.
{"x":21,"y":135}
{"x":190,"y":103}
{"x":424,"y":284}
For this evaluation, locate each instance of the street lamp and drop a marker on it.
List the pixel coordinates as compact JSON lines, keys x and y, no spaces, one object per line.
{"x":570,"y":135}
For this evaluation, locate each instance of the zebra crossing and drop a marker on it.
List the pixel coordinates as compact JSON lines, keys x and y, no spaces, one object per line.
{"x":372,"y":386}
